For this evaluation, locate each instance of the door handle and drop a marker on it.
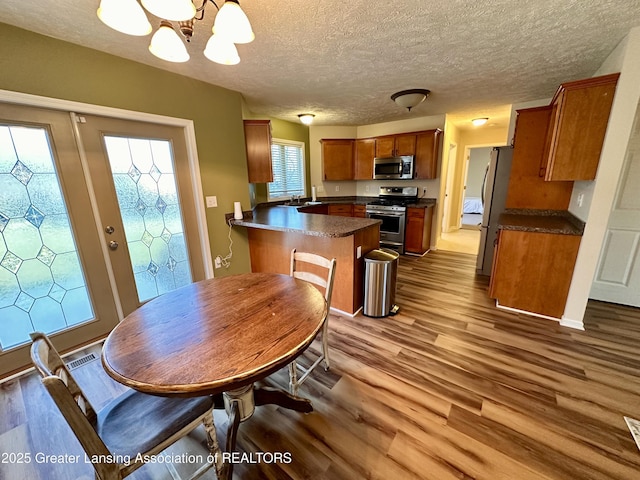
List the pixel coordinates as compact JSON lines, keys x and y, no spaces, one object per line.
{"x":113,"y":245}
{"x":109,"y":229}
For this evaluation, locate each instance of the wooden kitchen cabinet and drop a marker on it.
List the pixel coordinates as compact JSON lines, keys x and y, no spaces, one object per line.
{"x":359,"y":211}
{"x":342,"y":210}
{"x":257,"y":135}
{"x":396,"y":145}
{"x":532,"y":271}
{"x":526,"y":188}
{"x":318,"y":209}
{"x":417,"y":237}
{"x":426,"y":154}
{"x":365,"y":151}
{"x":337,"y":159}
{"x":579,"y":117}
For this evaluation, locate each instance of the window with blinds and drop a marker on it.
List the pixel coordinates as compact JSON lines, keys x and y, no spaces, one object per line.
{"x":287,"y":159}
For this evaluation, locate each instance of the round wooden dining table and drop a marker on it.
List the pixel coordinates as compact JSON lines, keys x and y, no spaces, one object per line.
{"x":218,"y":335}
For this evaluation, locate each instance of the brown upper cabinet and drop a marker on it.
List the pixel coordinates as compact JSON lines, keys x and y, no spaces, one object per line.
{"x":337,"y":159}
{"x":579,"y":117}
{"x":257,"y":136}
{"x":425,"y":164}
{"x":365,"y":152}
{"x":526,"y":188}
{"x":396,"y":145}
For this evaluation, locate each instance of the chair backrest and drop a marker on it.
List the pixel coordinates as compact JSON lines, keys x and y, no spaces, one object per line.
{"x":71,"y":401}
{"x":318,"y":270}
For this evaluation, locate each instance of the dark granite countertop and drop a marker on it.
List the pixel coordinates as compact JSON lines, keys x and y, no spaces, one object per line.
{"x":356,"y":200}
{"x":541,"y":221}
{"x":288,"y":219}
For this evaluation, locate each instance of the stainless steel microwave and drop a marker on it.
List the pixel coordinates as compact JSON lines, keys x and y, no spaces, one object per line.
{"x":395,"y":168}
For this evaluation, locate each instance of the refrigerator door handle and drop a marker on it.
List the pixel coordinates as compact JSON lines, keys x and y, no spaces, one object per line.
{"x":484,"y":184}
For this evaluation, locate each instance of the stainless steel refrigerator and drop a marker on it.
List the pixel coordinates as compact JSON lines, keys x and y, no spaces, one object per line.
{"x":494,"y":196}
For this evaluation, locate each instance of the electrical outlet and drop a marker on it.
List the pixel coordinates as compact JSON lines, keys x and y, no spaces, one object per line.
{"x":424,"y":191}
{"x":634,"y":428}
{"x":337,"y":188}
{"x":212,"y":201}
{"x":580,"y":199}
{"x":218,"y":262}
{"x":320,"y":189}
{"x":366,"y":188}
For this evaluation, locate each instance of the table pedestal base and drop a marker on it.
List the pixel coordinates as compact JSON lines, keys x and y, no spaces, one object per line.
{"x":240,"y":405}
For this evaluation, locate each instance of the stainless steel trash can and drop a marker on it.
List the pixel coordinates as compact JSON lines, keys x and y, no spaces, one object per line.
{"x":380,"y":271}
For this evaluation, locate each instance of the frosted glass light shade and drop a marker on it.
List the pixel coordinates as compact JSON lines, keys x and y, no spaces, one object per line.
{"x":125,"y":16}
{"x":306,"y":118}
{"x":167,"y":45}
{"x":410,"y":98}
{"x":221,"y":50}
{"x":479,"y":121}
{"x":232,"y":23}
{"x":176,"y":10}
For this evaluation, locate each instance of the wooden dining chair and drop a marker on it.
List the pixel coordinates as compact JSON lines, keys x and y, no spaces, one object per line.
{"x":133,"y":423}
{"x":319,"y":271}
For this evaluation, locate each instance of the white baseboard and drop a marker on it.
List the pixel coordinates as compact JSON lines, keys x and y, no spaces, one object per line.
{"x":567,"y":322}
{"x":335,"y":311}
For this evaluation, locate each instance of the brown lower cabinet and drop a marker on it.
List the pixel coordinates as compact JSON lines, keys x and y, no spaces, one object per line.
{"x":532,"y":271}
{"x":359,"y":211}
{"x":341,"y":210}
{"x":417,"y":237}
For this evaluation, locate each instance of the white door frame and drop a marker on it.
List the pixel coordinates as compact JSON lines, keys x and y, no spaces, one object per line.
{"x":446,"y":208}
{"x":190,"y":139}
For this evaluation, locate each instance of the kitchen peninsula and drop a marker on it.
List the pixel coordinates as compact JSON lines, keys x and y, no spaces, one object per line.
{"x":273,"y":231}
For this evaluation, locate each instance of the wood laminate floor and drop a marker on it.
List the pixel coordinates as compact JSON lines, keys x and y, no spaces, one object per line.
{"x":450,"y":388}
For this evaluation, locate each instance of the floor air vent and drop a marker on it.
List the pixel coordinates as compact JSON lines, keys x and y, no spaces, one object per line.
{"x":81,"y":361}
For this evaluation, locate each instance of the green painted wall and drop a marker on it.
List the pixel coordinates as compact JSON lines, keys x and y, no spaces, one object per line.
{"x":39,"y":65}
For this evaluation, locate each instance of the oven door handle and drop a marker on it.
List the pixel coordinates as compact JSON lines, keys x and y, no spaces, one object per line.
{"x":387,"y":214}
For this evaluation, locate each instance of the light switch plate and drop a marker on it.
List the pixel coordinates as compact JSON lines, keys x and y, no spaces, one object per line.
{"x":358,"y":251}
{"x":212,"y":201}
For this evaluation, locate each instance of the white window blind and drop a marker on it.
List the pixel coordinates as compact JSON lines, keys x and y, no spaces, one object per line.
{"x":287,"y":159}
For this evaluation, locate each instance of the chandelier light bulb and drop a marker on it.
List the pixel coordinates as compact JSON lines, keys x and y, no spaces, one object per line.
{"x":231,"y":22}
{"x":125,"y":16}
{"x":167,"y":45}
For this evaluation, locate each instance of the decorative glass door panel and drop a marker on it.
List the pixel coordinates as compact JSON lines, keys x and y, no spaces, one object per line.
{"x":42,"y":285}
{"x":145,"y":199}
{"x":53,"y":275}
{"x":145,"y":184}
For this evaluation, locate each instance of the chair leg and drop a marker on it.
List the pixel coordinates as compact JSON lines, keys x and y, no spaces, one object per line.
{"x":212,"y":443}
{"x":293,"y":378}
{"x":325,"y":345}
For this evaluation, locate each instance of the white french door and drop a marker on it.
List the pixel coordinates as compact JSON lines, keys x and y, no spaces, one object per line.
{"x":80,"y":246}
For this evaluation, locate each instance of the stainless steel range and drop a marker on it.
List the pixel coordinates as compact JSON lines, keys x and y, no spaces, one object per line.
{"x":391,"y":209}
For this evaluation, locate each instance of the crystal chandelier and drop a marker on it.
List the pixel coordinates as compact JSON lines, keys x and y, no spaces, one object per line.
{"x":231,"y":26}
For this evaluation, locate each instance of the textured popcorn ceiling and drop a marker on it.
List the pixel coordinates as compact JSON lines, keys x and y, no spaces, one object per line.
{"x":342,"y":60}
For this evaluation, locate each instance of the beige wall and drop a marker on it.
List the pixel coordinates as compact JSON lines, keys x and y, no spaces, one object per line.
{"x":625,"y":59}
{"x":40,"y":65}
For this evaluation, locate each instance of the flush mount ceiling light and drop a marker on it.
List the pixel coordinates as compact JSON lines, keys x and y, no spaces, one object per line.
{"x":306,"y":118}
{"x":410,"y":98}
{"x":231,"y":26}
{"x":479,"y":121}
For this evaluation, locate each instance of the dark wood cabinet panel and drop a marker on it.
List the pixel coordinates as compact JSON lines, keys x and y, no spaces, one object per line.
{"x":426,"y":156}
{"x":359,"y":211}
{"x":578,"y":123}
{"x":532,"y":271}
{"x":257,"y":135}
{"x":337,"y":159}
{"x":341,"y":210}
{"x":526,"y":188}
{"x":417,"y":237}
{"x":365,"y":150}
